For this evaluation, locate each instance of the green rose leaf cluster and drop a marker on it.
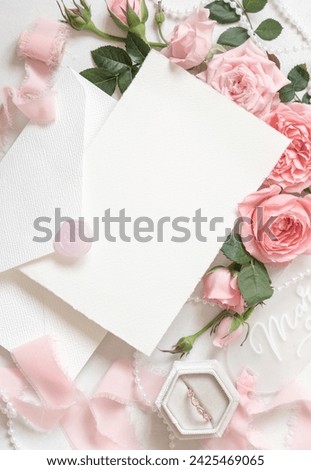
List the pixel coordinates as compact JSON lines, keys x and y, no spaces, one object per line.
{"x":253,"y":278}
{"x":299,"y":78}
{"x":224,"y":13}
{"x":116,"y":66}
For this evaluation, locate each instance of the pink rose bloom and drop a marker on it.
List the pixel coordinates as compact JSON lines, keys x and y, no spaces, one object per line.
{"x":222,"y":337}
{"x":221,"y":288}
{"x":276,"y":227}
{"x":119,"y":7}
{"x":247,"y":77}
{"x":190,"y":41}
{"x":293,"y":171}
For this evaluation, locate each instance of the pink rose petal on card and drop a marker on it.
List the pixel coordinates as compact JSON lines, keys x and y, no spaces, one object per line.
{"x":72,"y":239}
{"x":246,"y":76}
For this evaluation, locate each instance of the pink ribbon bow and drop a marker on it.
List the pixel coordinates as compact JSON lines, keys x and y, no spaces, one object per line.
{"x":99,"y":422}
{"x":241,"y":433}
{"x":102,"y":421}
{"x":42,"y":50}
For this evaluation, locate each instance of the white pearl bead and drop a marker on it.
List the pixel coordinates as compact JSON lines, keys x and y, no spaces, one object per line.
{"x":238,"y":11}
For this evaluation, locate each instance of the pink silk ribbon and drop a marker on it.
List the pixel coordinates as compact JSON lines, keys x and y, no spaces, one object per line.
{"x":99,"y":422}
{"x":241,"y":433}
{"x":42,"y":50}
{"x":102,"y":420}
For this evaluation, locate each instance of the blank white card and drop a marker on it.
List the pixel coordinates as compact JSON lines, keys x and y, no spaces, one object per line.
{"x":171,"y":146}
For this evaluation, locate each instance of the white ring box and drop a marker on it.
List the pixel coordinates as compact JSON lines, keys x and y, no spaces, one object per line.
{"x":214,"y":392}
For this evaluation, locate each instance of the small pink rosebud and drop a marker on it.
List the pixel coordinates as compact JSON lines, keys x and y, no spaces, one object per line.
{"x":223,"y":337}
{"x":129,"y":15}
{"x":78,"y":18}
{"x":221,"y":288}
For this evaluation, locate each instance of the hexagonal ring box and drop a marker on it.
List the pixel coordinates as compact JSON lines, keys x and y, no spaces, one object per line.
{"x":197,"y":400}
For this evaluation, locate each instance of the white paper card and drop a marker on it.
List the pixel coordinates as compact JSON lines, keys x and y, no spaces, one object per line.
{"x":28,"y":311}
{"x":43,"y":167}
{"x":171,"y":146}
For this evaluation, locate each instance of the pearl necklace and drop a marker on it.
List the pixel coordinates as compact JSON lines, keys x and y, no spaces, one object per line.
{"x":7,"y":409}
{"x":244,"y":21}
{"x":146,"y":400}
{"x":287,"y":15}
{"x":173,"y":9}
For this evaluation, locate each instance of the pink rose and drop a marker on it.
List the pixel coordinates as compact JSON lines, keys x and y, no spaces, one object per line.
{"x":222,"y":337}
{"x":293,"y":171}
{"x":119,"y":7}
{"x":221,"y":288}
{"x":190,"y":41}
{"x":276,"y":227}
{"x":246,"y":76}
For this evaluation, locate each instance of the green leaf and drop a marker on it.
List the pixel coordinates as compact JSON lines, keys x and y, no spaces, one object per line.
{"x":253,"y":6}
{"x":306,"y":99}
{"x":299,"y":76}
{"x":233,"y":37}
{"x":125,"y":79}
{"x":144,"y":14}
{"x":247,"y":314}
{"x":254,"y":283}
{"x":101,"y":78}
{"x":274,"y":59}
{"x":287,"y":93}
{"x":233,"y":249}
{"x":269,"y":29}
{"x":135,"y":70}
{"x":222,"y":12}
{"x":136,"y":48}
{"x":132,"y":18}
{"x":237,"y":321}
{"x":113,"y":59}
